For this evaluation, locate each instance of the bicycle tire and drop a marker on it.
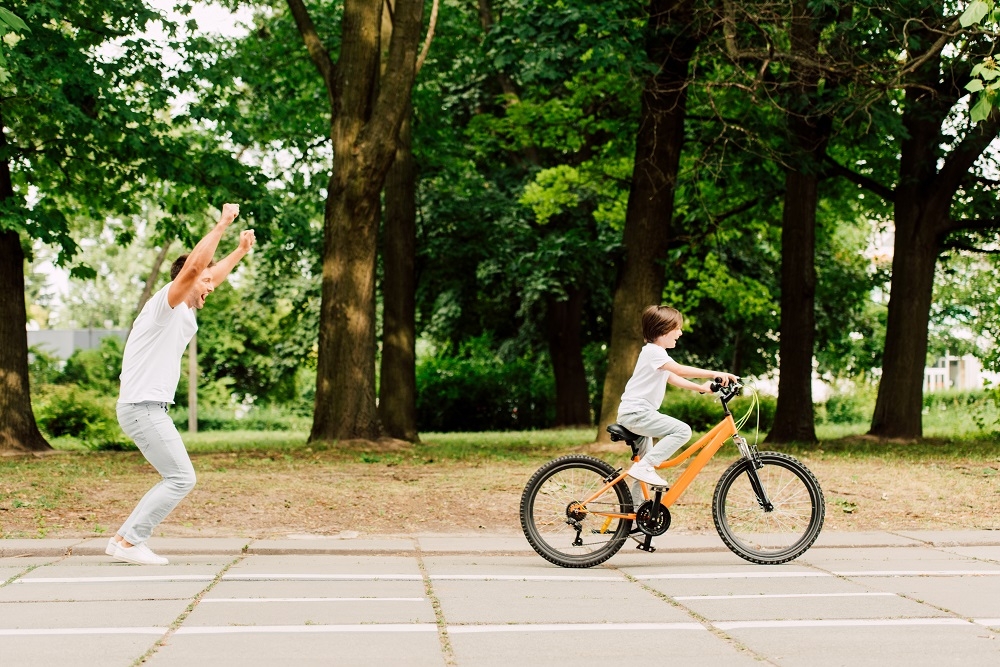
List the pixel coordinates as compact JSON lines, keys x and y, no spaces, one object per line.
{"x":546,"y":506}
{"x":778,"y":536}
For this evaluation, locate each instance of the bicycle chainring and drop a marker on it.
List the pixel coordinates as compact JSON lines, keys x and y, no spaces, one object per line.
{"x":652,"y":518}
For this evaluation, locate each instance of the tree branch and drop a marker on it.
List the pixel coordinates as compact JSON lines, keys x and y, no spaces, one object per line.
{"x":320,"y":56}
{"x":430,"y":36}
{"x":868,"y":183}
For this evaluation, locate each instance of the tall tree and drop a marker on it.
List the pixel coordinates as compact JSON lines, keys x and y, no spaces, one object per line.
{"x":77,"y":119}
{"x":934,"y":167}
{"x":397,"y":407}
{"x":365,"y":118}
{"x":674,"y":31}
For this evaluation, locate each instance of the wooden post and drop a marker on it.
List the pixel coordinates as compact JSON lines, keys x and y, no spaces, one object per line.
{"x":193,"y":385}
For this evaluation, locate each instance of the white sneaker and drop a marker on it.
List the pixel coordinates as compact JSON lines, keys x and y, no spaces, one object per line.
{"x":139,"y":554}
{"x":644,"y":472}
{"x":112,"y":545}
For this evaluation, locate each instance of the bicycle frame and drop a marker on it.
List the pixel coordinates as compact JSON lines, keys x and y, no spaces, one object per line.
{"x":709,"y":444}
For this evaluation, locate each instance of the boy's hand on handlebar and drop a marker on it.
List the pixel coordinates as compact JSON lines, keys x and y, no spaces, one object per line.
{"x":725,"y":378}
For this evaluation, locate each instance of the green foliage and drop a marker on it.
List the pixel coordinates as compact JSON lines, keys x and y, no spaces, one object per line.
{"x":854,"y":406}
{"x":702,"y":412}
{"x":985,"y":75}
{"x":43,"y":368}
{"x":476,"y":390}
{"x":97,"y":369}
{"x":83,"y":414}
{"x":256,"y":419}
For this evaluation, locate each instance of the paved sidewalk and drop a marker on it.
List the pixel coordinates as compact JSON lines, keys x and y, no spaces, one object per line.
{"x":351,"y":542}
{"x":880,"y":599}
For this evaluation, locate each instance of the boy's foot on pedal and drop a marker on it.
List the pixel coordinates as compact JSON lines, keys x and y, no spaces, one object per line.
{"x":644,"y":472}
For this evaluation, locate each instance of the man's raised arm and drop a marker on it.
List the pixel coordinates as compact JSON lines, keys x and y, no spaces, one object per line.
{"x":199,"y":258}
{"x":224,"y":267}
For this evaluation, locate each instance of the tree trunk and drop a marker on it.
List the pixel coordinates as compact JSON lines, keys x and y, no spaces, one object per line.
{"x":18,"y":430}
{"x":364,"y":133}
{"x":397,"y":408}
{"x":921,"y":213}
{"x":566,"y":350}
{"x":794,"y":420}
{"x":659,"y":141}
{"x":793,"y":417}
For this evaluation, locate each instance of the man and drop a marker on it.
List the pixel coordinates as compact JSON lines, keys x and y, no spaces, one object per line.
{"x":151,"y":368}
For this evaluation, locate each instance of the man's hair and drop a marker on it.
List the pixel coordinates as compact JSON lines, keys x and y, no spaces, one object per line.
{"x":178,"y":264}
{"x":659,"y":320}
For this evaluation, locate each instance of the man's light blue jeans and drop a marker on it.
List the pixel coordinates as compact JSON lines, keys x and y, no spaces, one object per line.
{"x":157,"y":438}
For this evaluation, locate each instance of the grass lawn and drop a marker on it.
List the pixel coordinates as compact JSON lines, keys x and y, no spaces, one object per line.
{"x":261,"y":484}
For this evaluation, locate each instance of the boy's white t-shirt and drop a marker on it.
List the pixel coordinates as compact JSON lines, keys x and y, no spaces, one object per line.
{"x":648,"y":384}
{"x":151,"y":365}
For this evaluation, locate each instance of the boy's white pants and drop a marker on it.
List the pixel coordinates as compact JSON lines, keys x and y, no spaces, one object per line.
{"x":673,"y":434}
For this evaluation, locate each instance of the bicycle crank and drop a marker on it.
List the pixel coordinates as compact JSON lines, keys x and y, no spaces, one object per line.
{"x":652,"y":518}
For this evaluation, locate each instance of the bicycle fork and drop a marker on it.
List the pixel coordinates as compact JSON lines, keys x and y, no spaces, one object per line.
{"x":750,"y":454}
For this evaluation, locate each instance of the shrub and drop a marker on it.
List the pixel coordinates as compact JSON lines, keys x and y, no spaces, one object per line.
{"x":82,"y":414}
{"x":257,"y":419}
{"x":96,"y":368}
{"x":703,"y":412}
{"x":480,"y":392}
{"x":851,"y":407}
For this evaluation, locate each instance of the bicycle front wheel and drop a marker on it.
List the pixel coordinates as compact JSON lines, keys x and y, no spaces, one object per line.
{"x":560,"y":527}
{"x":769,"y":536}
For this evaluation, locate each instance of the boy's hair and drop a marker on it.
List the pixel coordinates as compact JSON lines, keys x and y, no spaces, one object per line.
{"x":659,"y":320}
{"x":178,"y":264}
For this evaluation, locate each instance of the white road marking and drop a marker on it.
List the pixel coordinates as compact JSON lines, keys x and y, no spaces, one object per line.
{"x":838,"y":623}
{"x":368,"y":599}
{"x":570,"y":627}
{"x":495,"y":628}
{"x":320,"y":577}
{"x":778,"y":595}
{"x":27,"y":632}
{"x":115,"y":580}
{"x":733,"y":575}
{"x":920,"y":573}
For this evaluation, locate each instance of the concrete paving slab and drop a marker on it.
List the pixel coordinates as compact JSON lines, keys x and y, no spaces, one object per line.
{"x":317,"y":589}
{"x":870,"y":539}
{"x":986,"y":553}
{"x":966,"y":597}
{"x":948,"y":538}
{"x":500,"y":602}
{"x":320,"y":566}
{"x":809,"y":606}
{"x":92,"y":614}
{"x":872,"y":644}
{"x":332,"y":545}
{"x":594,"y":647}
{"x":823,"y":585}
{"x":166,"y":546}
{"x":356,"y":648}
{"x":314,"y":610}
{"x":508,"y":567}
{"x":79,"y":583}
{"x":485,"y":544}
{"x":80,"y":651}
{"x":880,"y":559}
{"x":36,"y":548}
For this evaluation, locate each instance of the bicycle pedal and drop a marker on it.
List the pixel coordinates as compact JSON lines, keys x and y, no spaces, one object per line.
{"x":659,"y":489}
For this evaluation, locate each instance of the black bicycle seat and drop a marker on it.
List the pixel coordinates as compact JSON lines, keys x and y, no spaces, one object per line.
{"x":619,"y":432}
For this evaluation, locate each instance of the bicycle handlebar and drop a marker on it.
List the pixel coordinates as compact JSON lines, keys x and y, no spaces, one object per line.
{"x":732,"y":388}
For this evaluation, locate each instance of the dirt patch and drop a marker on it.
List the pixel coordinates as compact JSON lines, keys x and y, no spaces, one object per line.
{"x":258,"y":495}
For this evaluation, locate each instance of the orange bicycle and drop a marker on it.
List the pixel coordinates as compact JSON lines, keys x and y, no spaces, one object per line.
{"x":578,"y":511}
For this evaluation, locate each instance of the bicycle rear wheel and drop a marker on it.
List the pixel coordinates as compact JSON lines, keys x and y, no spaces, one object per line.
{"x":769,"y":537}
{"x":559,"y":527}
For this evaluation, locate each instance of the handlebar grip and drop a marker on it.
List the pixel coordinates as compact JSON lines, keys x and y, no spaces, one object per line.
{"x":717,"y":385}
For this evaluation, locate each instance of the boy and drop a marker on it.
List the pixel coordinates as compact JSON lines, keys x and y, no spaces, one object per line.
{"x":639,"y":409}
